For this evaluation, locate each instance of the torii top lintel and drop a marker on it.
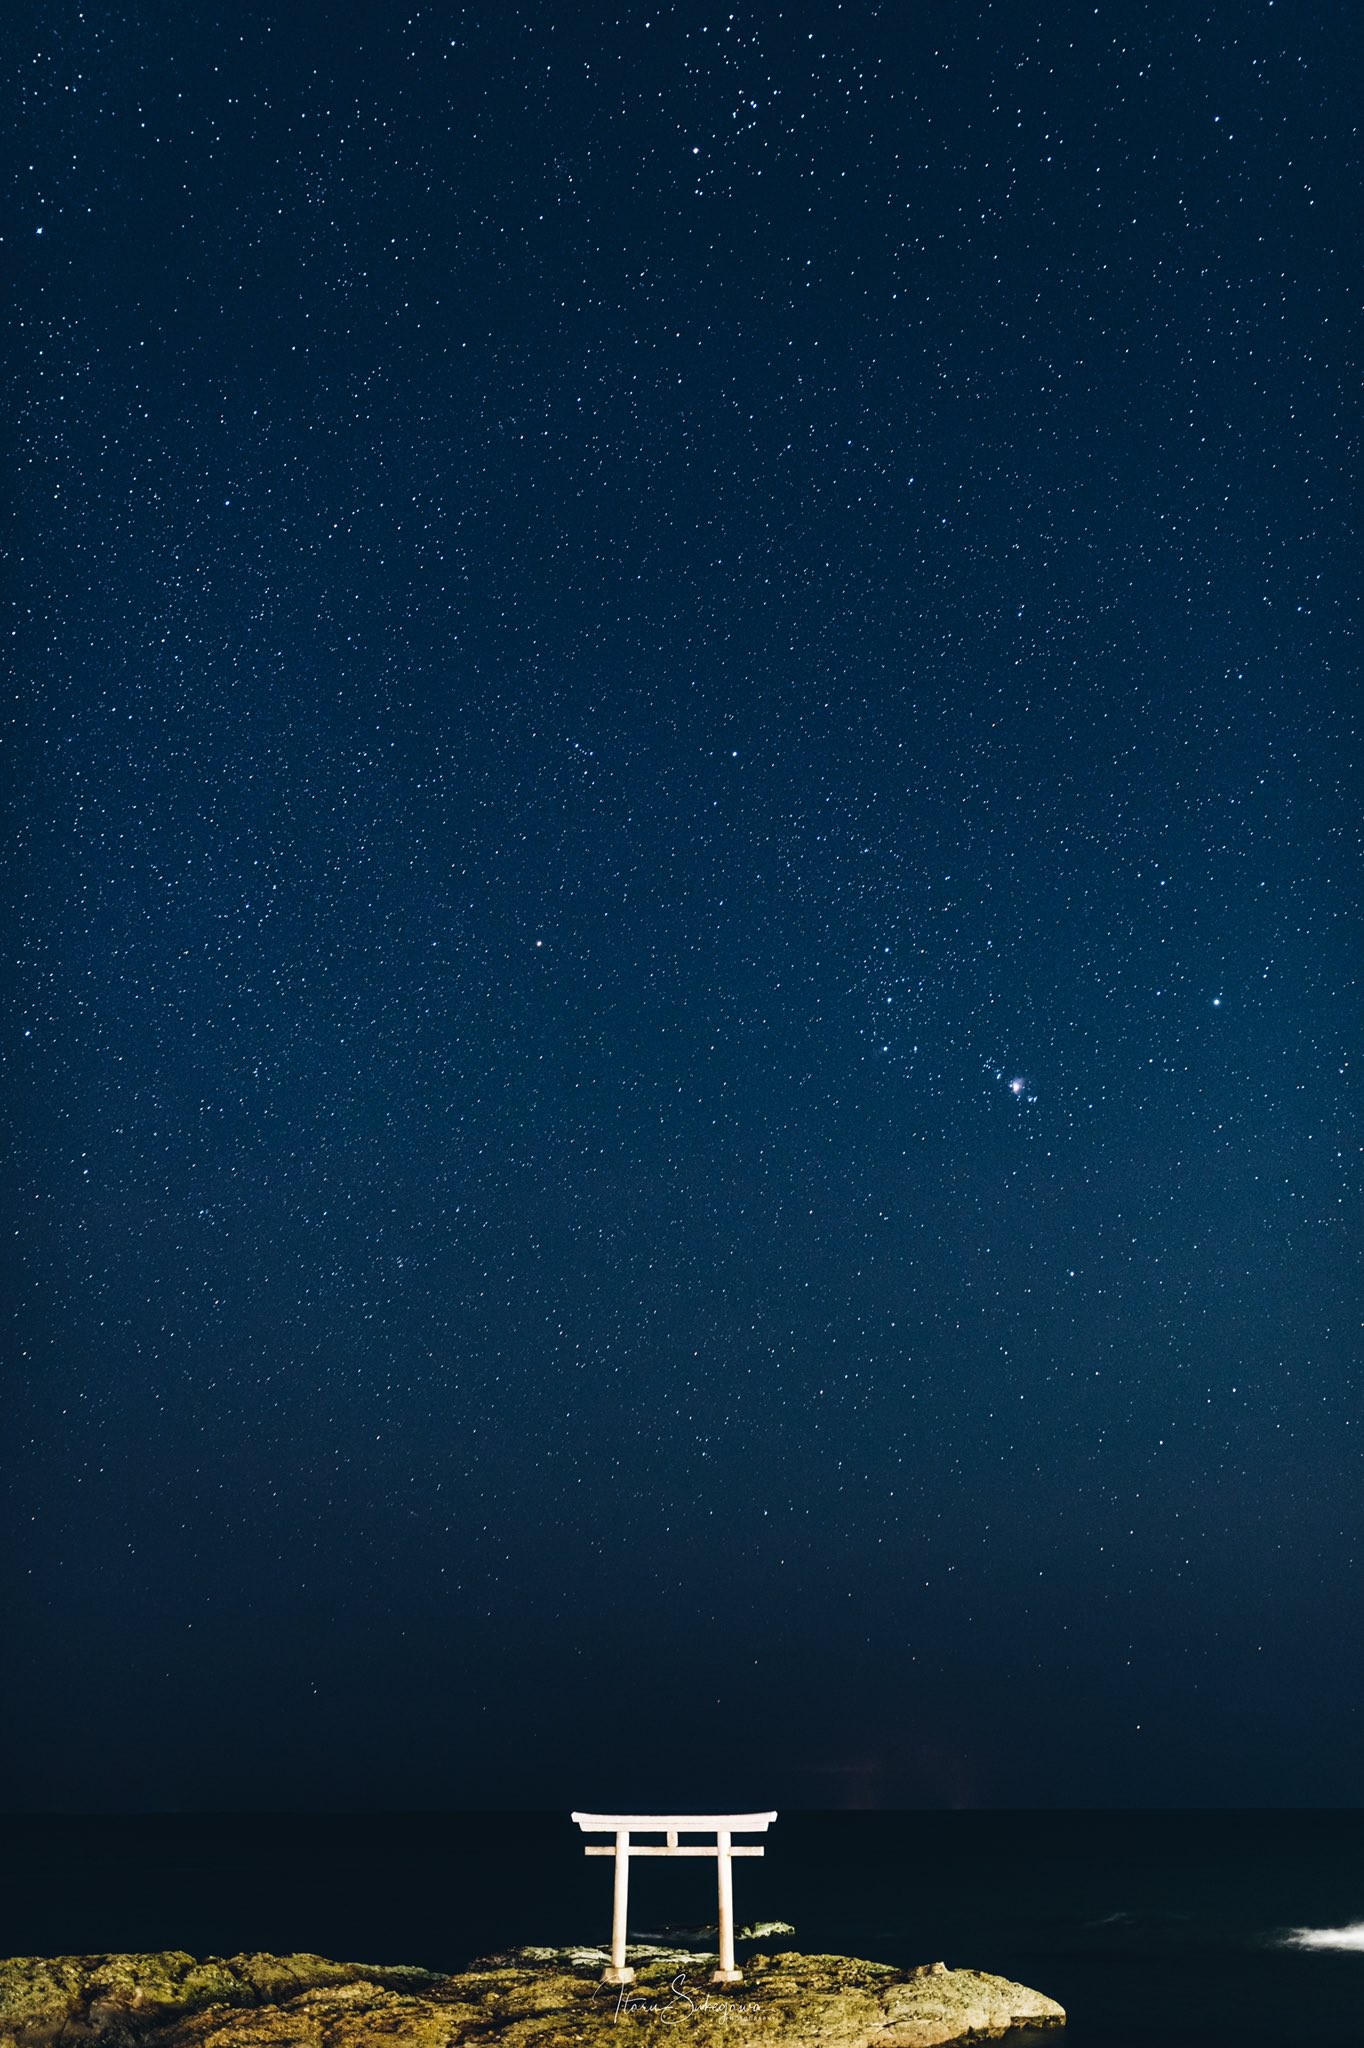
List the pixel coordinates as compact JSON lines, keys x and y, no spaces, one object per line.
{"x":684,"y":1823}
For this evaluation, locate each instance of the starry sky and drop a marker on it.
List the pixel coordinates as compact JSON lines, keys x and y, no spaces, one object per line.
{"x":684,"y":1060}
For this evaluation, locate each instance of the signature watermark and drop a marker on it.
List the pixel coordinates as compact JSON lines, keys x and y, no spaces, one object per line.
{"x":674,"y":2002}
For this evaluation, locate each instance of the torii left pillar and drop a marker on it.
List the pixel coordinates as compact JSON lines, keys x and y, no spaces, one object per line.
{"x":724,"y":1827}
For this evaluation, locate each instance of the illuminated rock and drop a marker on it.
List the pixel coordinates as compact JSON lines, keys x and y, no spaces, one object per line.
{"x":524,"y":1999}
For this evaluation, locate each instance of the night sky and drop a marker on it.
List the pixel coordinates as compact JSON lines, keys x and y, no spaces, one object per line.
{"x":684,"y":1064}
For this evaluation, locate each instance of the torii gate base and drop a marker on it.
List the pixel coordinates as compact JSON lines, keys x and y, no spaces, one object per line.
{"x":724,"y":1826}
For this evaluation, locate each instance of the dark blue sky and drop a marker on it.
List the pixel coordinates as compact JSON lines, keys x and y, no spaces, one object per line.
{"x":685,"y":1049}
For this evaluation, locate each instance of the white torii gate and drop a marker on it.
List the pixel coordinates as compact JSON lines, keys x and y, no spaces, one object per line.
{"x":724,"y":1826}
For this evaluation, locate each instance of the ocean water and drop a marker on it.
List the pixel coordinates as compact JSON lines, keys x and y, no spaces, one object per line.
{"x":1155,"y":1930}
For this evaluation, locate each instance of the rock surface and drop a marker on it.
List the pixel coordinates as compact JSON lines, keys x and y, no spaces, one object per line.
{"x":524,"y":1999}
{"x":122,"y":1999}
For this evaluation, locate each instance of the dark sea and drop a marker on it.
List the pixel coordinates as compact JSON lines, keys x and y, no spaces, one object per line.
{"x":1155,"y":1930}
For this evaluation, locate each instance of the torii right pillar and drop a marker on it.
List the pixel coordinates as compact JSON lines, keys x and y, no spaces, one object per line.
{"x":724,"y":1874}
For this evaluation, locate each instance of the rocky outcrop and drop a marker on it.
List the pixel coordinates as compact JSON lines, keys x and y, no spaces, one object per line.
{"x":524,"y":1999}
{"x":117,"y":2000}
{"x":759,"y":1930}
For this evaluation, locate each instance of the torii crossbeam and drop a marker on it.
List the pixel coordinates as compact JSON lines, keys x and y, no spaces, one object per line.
{"x":724,"y":1826}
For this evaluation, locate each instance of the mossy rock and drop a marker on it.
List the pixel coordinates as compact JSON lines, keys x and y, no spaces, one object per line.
{"x":523,"y":1999}
{"x":113,"y":2000}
